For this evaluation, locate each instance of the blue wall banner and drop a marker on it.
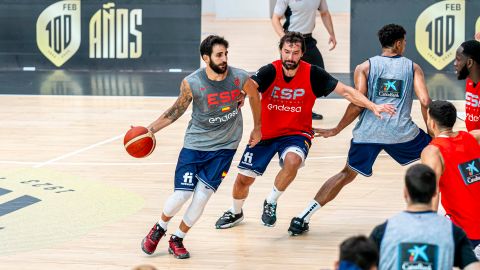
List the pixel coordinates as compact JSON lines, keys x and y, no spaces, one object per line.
{"x":434,"y":28}
{"x":88,"y":34}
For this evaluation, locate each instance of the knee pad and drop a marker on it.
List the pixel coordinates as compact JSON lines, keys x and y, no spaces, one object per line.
{"x":200,"y":198}
{"x":175,"y":202}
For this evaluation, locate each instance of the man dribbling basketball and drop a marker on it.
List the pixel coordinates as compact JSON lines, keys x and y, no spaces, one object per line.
{"x":211,"y":139}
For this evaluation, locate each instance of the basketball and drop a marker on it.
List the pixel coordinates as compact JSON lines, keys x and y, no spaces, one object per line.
{"x":139,"y":142}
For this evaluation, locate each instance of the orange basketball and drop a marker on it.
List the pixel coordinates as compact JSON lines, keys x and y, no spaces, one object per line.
{"x":139,"y":142}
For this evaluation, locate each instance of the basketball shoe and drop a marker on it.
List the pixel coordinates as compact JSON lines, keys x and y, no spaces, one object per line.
{"x":228,"y":220}
{"x":176,"y":248}
{"x":297,"y":226}
{"x":150,"y":242}
{"x":269,"y":216}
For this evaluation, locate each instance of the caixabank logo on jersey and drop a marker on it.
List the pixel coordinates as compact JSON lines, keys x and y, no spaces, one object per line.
{"x":113,"y":32}
{"x":439,"y":30}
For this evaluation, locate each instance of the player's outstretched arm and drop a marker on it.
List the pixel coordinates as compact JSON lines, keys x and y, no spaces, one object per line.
{"x":359,"y":99}
{"x":432,"y":157}
{"x":176,"y":110}
{"x":421,"y":91}
{"x":352,"y":111}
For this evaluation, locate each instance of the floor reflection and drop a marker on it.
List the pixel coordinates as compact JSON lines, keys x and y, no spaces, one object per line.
{"x":60,"y":82}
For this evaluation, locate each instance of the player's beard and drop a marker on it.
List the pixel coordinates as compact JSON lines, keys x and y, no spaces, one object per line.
{"x":289,"y":65}
{"x":218,"y":68}
{"x":463,"y":73}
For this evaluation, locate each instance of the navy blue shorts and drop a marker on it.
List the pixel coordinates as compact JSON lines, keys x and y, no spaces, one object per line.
{"x":361,"y":156}
{"x":256,"y":159}
{"x":209,"y":167}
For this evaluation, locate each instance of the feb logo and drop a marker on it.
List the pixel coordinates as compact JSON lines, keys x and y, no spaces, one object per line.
{"x":439,"y":30}
{"x":58,"y":31}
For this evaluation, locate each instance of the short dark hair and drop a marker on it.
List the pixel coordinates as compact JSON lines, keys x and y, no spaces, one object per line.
{"x":443,"y":113}
{"x":360,"y":251}
{"x":292,"y":37}
{"x":471,"y":48}
{"x":421,"y":183}
{"x":207,"y":44}
{"x":389,"y":34}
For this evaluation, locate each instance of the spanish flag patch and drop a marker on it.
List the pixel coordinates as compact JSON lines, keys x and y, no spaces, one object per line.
{"x":226,"y":109}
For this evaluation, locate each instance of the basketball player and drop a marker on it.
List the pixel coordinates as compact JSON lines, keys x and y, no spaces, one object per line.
{"x":418,"y":238}
{"x":467,"y":66}
{"x":211,"y":139}
{"x":391,"y":78}
{"x":300,"y":17}
{"x":455,"y":158}
{"x":289,"y":88}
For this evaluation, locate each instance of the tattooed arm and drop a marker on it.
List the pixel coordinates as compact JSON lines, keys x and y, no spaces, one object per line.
{"x":174,"y":112}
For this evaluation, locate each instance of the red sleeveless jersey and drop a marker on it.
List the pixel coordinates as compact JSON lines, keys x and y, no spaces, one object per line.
{"x":460,"y":181}
{"x":287,"y":107}
{"x":472,"y":106}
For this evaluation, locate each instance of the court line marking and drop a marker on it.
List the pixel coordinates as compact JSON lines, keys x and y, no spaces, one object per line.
{"x":37,"y":164}
{"x":78,"y":151}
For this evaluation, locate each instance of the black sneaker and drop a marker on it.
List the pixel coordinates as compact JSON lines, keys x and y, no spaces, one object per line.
{"x":317,"y":116}
{"x":269,"y":216}
{"x":229,"y":220}
{"x":297,"y":226}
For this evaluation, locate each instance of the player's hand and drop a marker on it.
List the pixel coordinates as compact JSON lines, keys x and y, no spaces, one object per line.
{"x":241,"y":99}
{"x":255,"y":137}
{"x":322,"y":132}
{"x":333,"y":42}
{"x":386,"y":108}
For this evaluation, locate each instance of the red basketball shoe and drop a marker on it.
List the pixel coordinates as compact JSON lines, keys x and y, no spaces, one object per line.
{"x":150,"y":242}
{"x":175,"y":247}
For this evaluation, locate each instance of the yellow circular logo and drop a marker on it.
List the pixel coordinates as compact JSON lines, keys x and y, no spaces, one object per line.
{"x":39,"y":207}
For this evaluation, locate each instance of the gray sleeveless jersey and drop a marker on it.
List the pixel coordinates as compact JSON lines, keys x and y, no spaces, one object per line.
{"x":216,"y":120}
{"x":417,"y":241}
{"x":390,"y":80}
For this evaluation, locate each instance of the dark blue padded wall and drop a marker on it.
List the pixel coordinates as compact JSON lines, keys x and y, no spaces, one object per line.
{"x":100,"y":35}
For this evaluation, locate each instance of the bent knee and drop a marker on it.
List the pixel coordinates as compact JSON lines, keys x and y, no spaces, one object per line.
{"x":293,"y":161}
{"x":244,"y":180}
{"x":348,"y":174}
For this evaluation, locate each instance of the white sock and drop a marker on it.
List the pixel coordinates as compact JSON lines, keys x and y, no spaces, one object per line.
{"x":237,"y":206}
{"x":308,"y":212}
{"x":179,"y":234}
{"x":163,"y":224}
{"x":274,"y":195}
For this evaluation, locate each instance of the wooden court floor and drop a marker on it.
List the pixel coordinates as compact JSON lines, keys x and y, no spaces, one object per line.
{"x":95,"y":203}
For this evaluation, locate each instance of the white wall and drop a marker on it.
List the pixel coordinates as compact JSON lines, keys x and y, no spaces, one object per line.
{"x":208,"y":6}
{"x":255,"y":9}
{"x":242,"y":9}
